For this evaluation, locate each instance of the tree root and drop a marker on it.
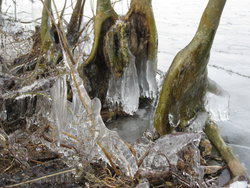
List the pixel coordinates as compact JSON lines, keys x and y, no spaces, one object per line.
{"x":185,"y":84}
{"x":234,"y":165}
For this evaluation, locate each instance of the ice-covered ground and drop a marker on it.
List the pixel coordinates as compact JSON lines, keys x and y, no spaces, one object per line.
{"x":229,"y":65}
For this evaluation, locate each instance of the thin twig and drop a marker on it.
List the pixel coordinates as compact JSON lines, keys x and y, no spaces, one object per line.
{"x":11,"y":164}
{"x":41,"y":178}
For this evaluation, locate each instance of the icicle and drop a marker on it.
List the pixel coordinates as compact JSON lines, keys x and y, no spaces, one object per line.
{"x":59,"y":97}
{"x":124,"y":91}
{"x":147,"y":79}
{"x":130,"y":88}
{"x":151,"y":79}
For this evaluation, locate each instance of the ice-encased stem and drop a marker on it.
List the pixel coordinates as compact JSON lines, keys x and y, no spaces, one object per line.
{"x":45,"y":30}
{"x":91,"y":132}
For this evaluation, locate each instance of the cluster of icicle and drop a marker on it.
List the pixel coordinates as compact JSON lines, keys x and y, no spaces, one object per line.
{"x":81,"y":119}
{"x":137,"y":81}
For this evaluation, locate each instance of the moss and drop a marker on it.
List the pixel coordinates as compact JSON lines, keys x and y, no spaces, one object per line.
{"x":116,"y":48}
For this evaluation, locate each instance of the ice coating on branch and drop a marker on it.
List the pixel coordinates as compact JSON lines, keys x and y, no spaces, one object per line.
{"x":83,"y":122}
{"x":124,"y":91}
{"x":169,"y":145}
{"x":217,"y":102}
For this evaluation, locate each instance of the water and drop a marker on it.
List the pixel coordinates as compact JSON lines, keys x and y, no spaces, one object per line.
{"x":131,"y":128}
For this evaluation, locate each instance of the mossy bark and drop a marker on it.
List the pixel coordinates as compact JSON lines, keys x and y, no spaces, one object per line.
{"x":116,"y":48}
{"x":185,"y":83}
{"x":234,"y":165}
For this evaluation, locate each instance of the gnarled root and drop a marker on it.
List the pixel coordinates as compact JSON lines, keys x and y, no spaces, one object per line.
{"x":234,"y":165}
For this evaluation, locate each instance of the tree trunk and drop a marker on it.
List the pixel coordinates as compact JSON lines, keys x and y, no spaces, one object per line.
{"x":94,"y":70}
{"x":141,"y":16}
{"x":116,"y":43}
{"x":144,"y":45}
{"x":185,"y":83}
{"x":75,"y":23}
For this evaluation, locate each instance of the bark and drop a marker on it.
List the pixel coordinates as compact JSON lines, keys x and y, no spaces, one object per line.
{"x":234,"y":165}
{"x":141,"y":17}
{"x":75,"y":23}
{"x":116,"y":48}
{"x":1,"y":2}
{"x":185,"y":83}
{"x":45,"y":32}
{"x":105,"y":17}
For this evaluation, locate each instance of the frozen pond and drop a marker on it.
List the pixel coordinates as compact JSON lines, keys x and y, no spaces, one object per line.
{"x":229,"y":65}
